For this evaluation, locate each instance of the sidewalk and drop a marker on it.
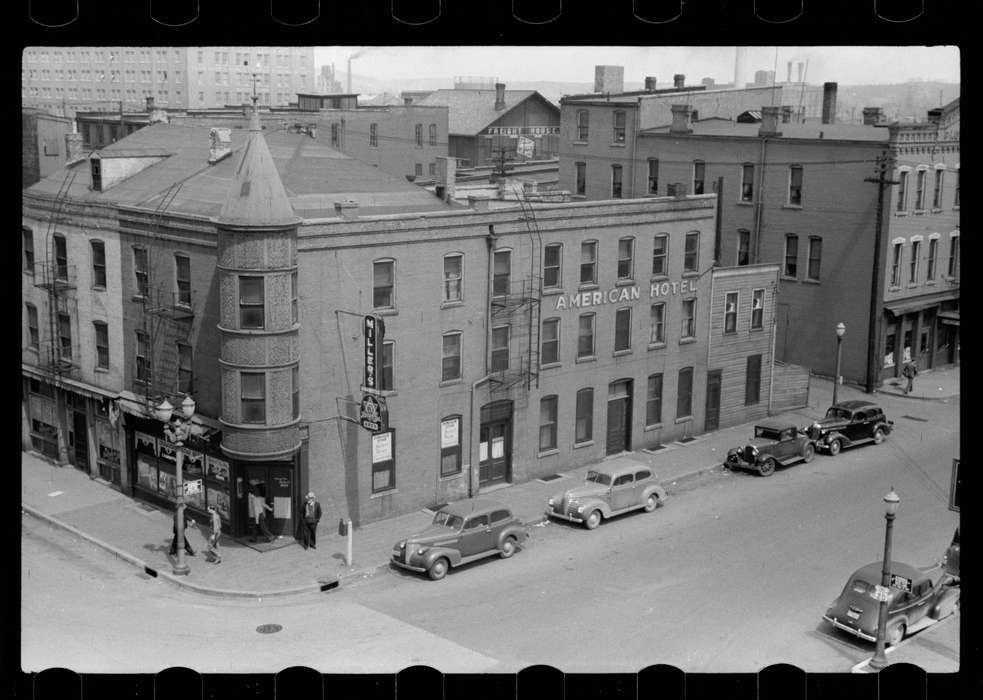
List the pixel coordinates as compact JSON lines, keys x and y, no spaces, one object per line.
{"x":934,"y":650}
{"x":141,"y":534}
{"x":937,"y":384}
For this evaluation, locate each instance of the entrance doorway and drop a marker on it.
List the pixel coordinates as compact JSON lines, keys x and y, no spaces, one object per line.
{"x":495,"y":444}
{"x":713,"y":400}
{"x":275,"y":484}
{"x":619,"y":417}
{"x":80,"y":456}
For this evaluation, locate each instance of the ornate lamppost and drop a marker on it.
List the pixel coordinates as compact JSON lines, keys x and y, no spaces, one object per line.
{"x":879,"y":660}
{"x":840,"y":330}
{"x":177,"y":431}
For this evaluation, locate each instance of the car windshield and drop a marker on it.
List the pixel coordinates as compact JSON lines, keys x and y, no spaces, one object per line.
{"x":598,"y":478}
{"x":448,"y":520}
{"x":861,"y":586}
{"x":767,"y":433}
{"x":838,"y":413}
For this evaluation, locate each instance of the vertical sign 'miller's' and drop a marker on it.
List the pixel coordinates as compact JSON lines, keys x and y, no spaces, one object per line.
{"x":373,"y":330}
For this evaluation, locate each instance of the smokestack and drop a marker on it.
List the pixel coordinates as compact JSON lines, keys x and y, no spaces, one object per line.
{"x":829,"y":103}
{"x":801,"y":67}
{"x":789,"y":78}
{"x":872,"y":116}
{"x":678,"y":80}
{"x":740,"y":56}
{"x":499,"y":96}
{"x":649,"y":83}
{"x":680,"y":120}
{"x":349,"y":75}
{"x":769,"y":121}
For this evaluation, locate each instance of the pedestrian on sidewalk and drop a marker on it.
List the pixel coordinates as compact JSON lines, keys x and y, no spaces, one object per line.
{"x":188,"y":524}
{"x":213,"y":537}
{"x":909,"y":372}
{"x":312,"y":516}
{"x":257,"y":514}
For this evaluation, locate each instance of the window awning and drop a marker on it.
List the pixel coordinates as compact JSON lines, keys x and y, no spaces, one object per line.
{"x":899,"y":307}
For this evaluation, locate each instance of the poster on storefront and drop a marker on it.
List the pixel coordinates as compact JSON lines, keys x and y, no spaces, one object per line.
{"x":220,"y":500}
{"x":146,"y":473}
{"x":449,"y":430}
{"x":382,"y":447}
{"x":498,"y":448}
{"x":218,"y":469}
{"x":193,"y":465}
{"x":482,"y":451}
{"x":281,"y":507}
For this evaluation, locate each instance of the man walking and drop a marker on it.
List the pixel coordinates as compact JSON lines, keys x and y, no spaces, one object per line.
{"x":188,"y":524}
{"x":312,"y":515}
{"x":909,"y":372}
{"x":257,"y":514}
{"x":216,"y":533}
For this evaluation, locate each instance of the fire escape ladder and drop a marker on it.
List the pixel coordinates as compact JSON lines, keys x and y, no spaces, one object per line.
{"x":57,"y":279}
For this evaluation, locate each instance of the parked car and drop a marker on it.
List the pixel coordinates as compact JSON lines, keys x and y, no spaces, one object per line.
{"x":951,"y":558}
{"x":460,"y":533}
{"x":850,"y":423}
{"x":917,"y":598}
{"x":612,"y":488}
{"x":774,"y":443}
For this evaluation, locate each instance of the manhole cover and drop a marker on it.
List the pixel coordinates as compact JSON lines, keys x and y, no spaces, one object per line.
{"x":269,"y":629}
{"x":920,"y":420}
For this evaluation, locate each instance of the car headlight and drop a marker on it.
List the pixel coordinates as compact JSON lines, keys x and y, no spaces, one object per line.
{"x":422,"y":550}
{"x":550,"y":501}
{"x":580,"y":509}
{"x":401,"y":545}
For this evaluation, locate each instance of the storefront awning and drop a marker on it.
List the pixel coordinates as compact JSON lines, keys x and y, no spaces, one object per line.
{"x":900,"y":307}
{"x":950,"y":318}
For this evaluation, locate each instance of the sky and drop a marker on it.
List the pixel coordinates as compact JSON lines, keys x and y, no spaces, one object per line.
{"x":846,"y":65}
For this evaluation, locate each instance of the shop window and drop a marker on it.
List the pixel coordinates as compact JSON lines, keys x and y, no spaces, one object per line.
{"x":98,"y":249}
{"x":923,"y":342}
{"x":933,"y":252}
{"x":657,"y":316}
{"x":660,"y":255}
{"x":889,"y":348}
{"x":101,"y":332}
{"x":33,"y":330}
{"x":916,"y":247}
{"x":626,"y":257}
{"x":896,"y":266}
{"x":551,"y":265}
{"x":815,"y":257}
{"x":684,"y":393}
{"x":743,"y":247}
{"x":581,"y":178}
{"x":65,"y":336}
{"x":450,"y":445}
{"x":689,"y":319}
{"x":142,"y":357}
{"x":622,"y":330}
{"x":584,"y":426}
{"x":451,"y":357}
{"x":747,"y":182}
{"x":252,"y":302}
{"x":500,"y":349}
{"x":730,"y":312}
{"x":551,"y":341}
{"x":141,"y":271}
{"x":44,"y":438}
{"x":619,"y":127}
{"x":383,"y":284}
{"x":502,"y":278}
{"x":418,"y":135}
{"x":902,"y":203}
{"x":752,"y":381}
{"x":791,"y":267}
{"x":61,"y":257}
{"x":953,"y":257}
{"x":653,"y":176}
{"x":547,"y":423}
{"x":920,"y":189}
{"x":653,"y":400}
{"x":691,"y":253}
{"x":937,"y":192}
{"x":616,"y":181}
{"x":383,"y":453}
{"x":373,"y":135}
{"x":588,"y":262}
{"x":583,"y":124}
{"x":433,"y":134}
{"x":757,"y":309}
{"x":699,"y":176}
{"x":795,"y":185}
{"x":253,"y":397}
{"x":906,"y":347}
{"x":453,"y":277}
{"x":295,"y":391}
{"x":585,"y":336}
{"x":185,"y":368}
{"x":28,"y":240}
{"x":388,"y":372}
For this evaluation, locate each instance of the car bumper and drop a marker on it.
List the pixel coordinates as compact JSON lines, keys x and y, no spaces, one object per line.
{"x":569,"y":517}
{"x":740,"y":464}
{"x":852,"y":630}
{"x":404,"y":565}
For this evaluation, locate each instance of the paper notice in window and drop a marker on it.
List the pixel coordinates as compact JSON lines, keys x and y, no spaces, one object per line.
{"x":483,"y":452}
{"x":281,"y":507}
{"x":498,"y":447}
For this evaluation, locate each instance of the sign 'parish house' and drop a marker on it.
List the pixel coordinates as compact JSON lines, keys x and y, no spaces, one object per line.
{"x":620,"y":295}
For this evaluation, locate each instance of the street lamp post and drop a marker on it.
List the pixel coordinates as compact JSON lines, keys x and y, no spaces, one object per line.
{"x":840,"y":330}
{"x":879,"y":660}
{"x":176,"y":433}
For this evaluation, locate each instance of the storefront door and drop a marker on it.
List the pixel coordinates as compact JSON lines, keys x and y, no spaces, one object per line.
{"x":713,"y":400}
{"x":495,"y":444}
{"x":80,"y":457}
{"x":275,"y":485}
{"x":619,"y":417}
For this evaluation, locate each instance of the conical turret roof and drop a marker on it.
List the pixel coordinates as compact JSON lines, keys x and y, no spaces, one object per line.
{"x":257,"y":197}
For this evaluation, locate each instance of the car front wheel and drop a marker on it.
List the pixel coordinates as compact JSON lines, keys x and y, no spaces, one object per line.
{"x":438,"y":569}
{"x":508,"y":548}
{"x":835,"y":447}
{"x":767,"y":467}
{"x":808,"y":453}
{"x":878,"y":436}
{"x":895,"y":634}
{"x":651,"y":503}
{"x":593,"y":520}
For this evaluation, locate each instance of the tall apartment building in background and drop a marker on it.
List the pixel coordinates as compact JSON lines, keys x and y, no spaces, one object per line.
{"x":70,"y":79}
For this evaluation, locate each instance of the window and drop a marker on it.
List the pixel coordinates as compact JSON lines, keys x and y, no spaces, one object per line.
{"x":585,"y":336}
{"x":752,"y":383}
{"x":253,"y":397}
{"x":450,"y":359}
{"x":691,"y":254}
{"x":334,"y":134}
{"x":142,"y":358}
{"x":418,"y":169}
{"x":584,"y":426}
{"x":500,"y":348}
{"x":101,"y":331}
{"x":476,"y":522}
{"x":616,"y":182}
{"x":551,"y":265}
{"x":182,"y":268}
{"x":588,"y":262}
{"x":955,"y":193}
{"x":583,"y":122}
{"x":431,"y":169}
{"x":373,"y":134}
{"x":933,"y":251}
{"x":896,"y":266}
{"x":699,"y":176}
{"x":453,"y":274}
{"x":61,"y":258}
{"x":743,"y":247}
{"x":937,"y":193}
{"x":622,"y":330}
{"x":757,"y":308}
{"x":658,"y":319}
{"x":747,"y":182}
{"x":913,"y":265}
{"x":388,"y":378}
{"x":619,"y":127}
{"x":252,"y":302}
{"x":815,"y":257}
{"x":433,"y":135}
{"x":626,"y":255}
{"x":795,"y":185}
{"x":28,"y":237}
{"x":730,"y":312}
{"x":450,"y":445}
{"x":791,"y":268}
{"x":660,"y":255}
{"x":502,"y":273}
{"x":383,"y":284}
{"x":141,"y":271}
{"x":547,"y":423}
{"x":65,"y":336}
{"x":653,"y":400}
{"x":550,"y":341}
{"x":581,"y":178}
{"x":185,"y":372}
{"x":418,"y":134}
{"x":689,"y":318}
{"x":33,"y":331}
{"x":953,"y":257}
{"x":889,"y":349}
{"x":98,"y":264}
{"x":920,"y":190}
{"x":294,"y":311}
{"x":684,"y":393}
{"x":653,"y":177}
{"x":902,"y":191}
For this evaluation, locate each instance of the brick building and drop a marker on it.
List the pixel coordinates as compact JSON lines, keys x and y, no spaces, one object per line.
{"x":46,"y":143}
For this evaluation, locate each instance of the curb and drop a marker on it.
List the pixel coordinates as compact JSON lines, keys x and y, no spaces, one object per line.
{"x":917,"y":398}
{"x":864,"y":666}
{"x":171,"y":578}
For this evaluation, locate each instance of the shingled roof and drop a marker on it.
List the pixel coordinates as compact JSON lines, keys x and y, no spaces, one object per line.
{"x":471,"y":111}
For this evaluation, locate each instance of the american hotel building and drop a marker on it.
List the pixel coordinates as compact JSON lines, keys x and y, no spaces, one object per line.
{"x":518,"y":342}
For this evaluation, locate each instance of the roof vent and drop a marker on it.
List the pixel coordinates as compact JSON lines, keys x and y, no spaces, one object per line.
{"x":220,"y":143}
{"x":347,"y":209}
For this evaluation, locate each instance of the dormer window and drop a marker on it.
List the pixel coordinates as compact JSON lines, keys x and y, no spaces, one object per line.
{"x":95,"y":168}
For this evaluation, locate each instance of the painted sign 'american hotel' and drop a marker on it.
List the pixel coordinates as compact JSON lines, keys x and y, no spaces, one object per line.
{"x":623,"y":294}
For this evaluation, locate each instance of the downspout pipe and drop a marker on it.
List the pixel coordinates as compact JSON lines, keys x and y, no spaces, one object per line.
{"x":471,"y":452}
{"x":759,"y":203}
{"x":774,"y":332}
{"x":491,"y":239}
{"x":634,"y":144}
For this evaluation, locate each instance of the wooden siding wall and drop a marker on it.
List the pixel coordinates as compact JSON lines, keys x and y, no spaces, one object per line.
{"x":791,"y":388}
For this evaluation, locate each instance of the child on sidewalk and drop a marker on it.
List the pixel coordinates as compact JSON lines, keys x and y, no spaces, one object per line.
{"x":213,"y":538}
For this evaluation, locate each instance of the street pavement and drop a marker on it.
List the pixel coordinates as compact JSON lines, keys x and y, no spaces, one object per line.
{"x":141,"y":534}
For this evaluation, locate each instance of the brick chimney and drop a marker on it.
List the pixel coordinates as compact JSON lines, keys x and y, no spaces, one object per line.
{"x":769,"y":121}
{"x":446,"y":177}
{"x":872,"y":116}
{"x":680,"y":120}
{"x":649,"y":83}
{"x":73,"y":147}
{"x":346,"y":209}
{"x":829,"y":103}
{"x":678,"y":80}
{"x":499,"y":96}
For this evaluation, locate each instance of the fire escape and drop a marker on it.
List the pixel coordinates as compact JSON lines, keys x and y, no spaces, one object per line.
{"x":519,"y":309}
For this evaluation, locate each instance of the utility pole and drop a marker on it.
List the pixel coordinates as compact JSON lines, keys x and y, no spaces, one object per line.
{"x":875,"y":283}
